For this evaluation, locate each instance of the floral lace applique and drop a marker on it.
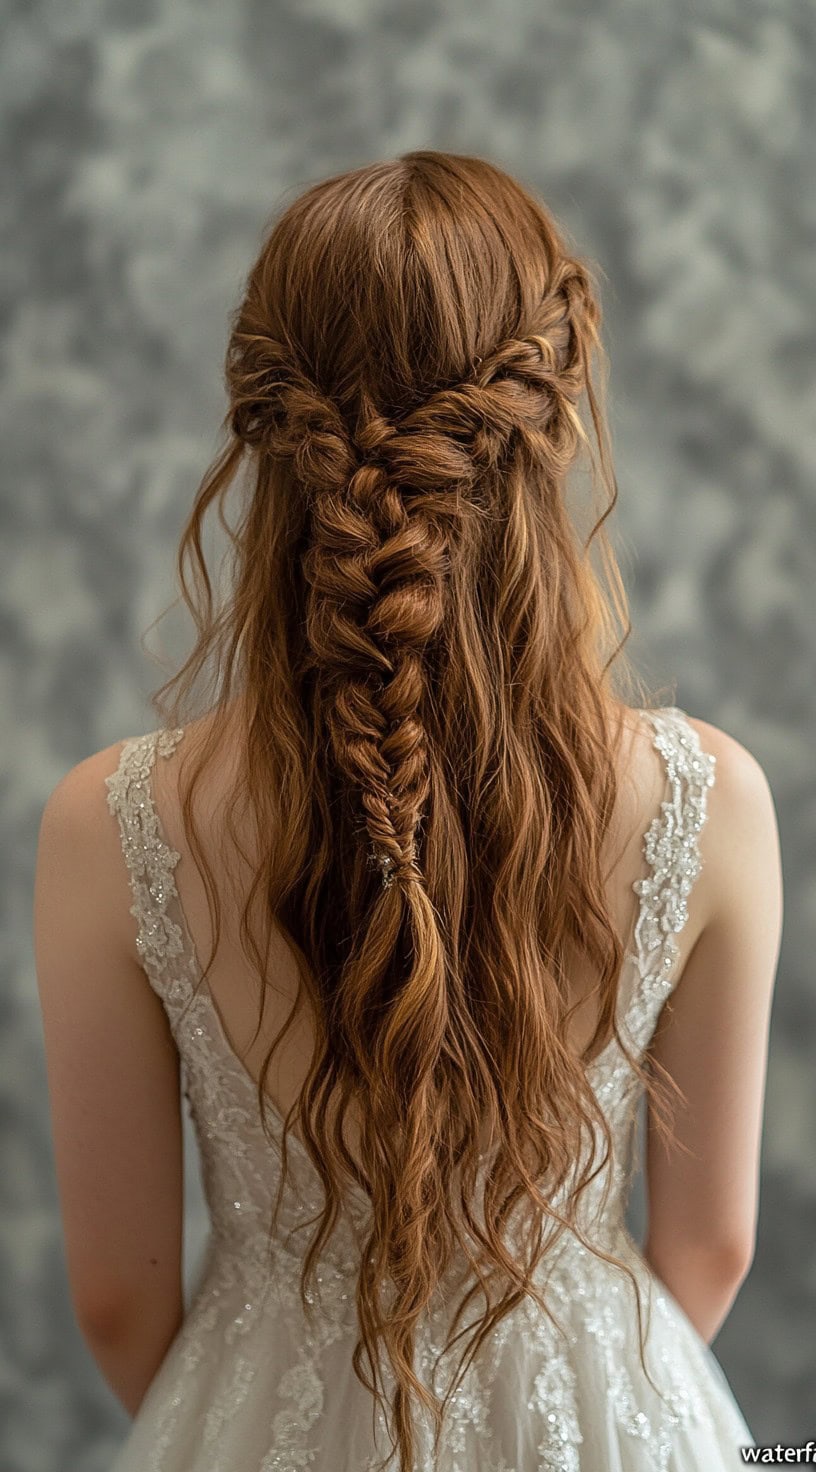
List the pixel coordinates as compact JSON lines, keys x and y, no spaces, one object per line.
{"x":160,"y":941}
{"x":671,"y":846}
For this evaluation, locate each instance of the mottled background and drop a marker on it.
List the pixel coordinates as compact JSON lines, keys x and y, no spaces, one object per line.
{"x":145,"y":145}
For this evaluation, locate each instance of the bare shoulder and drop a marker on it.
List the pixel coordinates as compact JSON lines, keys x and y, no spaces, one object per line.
{"x":78,"y":803}
{"x":736,"y":766}
{"x":739,"y":844}
{"x":79,"y":850}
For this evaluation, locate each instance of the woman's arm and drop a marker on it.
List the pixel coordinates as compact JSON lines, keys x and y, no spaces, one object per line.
{"x":114,"y":1089}
{"x":712,"y":1037}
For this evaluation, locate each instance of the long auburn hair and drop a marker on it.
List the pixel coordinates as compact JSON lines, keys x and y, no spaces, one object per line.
{"x":423,"y":654}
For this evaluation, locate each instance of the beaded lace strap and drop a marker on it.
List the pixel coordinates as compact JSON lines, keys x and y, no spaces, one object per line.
{"x":160,"y":939}
{"x":672,"y":850}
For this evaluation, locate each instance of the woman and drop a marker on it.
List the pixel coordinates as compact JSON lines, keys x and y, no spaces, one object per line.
{"x":462,"y":904}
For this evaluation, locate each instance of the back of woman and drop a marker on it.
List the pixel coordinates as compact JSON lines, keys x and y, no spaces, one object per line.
{"x":424,"y":904}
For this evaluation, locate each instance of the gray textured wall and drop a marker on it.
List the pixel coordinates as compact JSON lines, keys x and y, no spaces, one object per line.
{"x":145,"y":145}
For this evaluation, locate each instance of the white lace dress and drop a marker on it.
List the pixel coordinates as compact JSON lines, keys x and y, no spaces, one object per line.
{"x":249,"y":1386}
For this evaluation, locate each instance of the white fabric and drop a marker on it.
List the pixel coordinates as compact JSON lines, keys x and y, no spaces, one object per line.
{"x":248,"y":1385}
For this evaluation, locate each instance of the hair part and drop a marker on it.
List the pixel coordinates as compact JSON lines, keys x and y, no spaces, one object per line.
{"x":422,"y":654}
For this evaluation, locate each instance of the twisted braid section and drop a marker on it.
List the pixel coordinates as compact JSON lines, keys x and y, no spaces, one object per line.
{"x":386,"y":505}
{"x":376,"y":571}
{"x":277,"y":408}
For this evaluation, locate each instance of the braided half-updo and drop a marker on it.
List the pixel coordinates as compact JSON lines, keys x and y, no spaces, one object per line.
{"x":419,"y":651}
{"x":386,"y":506}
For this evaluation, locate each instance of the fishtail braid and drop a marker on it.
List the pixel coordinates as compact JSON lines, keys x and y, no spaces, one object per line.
{"x":385,"y":505}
